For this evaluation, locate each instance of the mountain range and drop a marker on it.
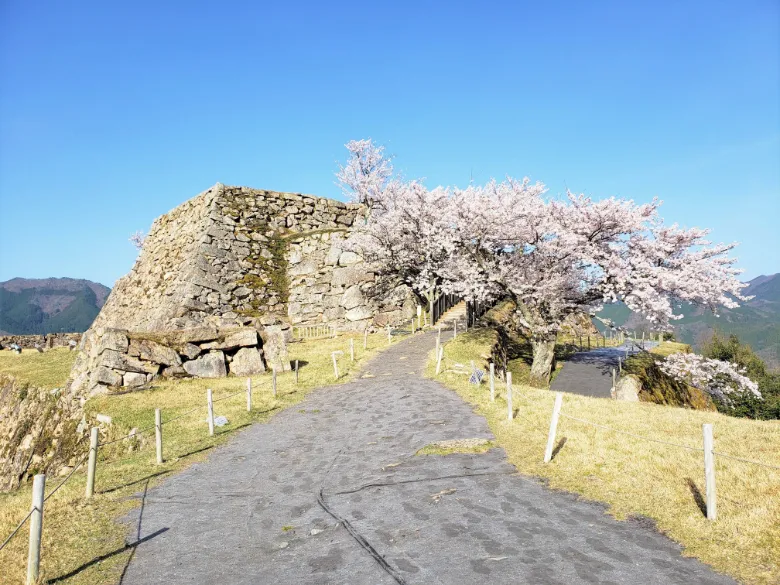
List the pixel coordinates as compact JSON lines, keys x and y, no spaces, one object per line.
{"x":49,"y":305}
{"x":756,"y":322}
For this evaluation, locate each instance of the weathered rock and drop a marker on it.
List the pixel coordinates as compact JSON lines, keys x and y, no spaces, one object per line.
{"x":133,"y":380}
{"x":119,"y":361}
{"x":104,"y":375}
{"x":190,"y":351}
{"x":349,"y":258}
{"x":352,"y":297}
{"x":113,"y":339}
{"x":155,"y":352}
{"x":275,"y":348}
{"x":359,"y":313}
{"x":247,"y":362}
{"x":350,"y":275}
{"x":174,"y":372}
{"x":628,"y":388}
{"x":210,"y":365}
{"x":246,"y":337}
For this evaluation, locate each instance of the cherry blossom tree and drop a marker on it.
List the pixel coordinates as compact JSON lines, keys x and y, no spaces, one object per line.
{"x":137,"y":239}
{"x":718,"y":378}
{"x":553,"y":258}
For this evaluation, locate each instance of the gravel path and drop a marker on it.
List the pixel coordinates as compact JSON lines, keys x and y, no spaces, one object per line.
{"x":331,"y":492}
{"x":590,"y":372}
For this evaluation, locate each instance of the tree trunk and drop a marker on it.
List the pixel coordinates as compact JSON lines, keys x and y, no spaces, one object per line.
{"x":544,"y":358}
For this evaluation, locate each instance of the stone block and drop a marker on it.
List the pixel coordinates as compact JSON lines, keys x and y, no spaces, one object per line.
{"x":352,"y":297}
{"x":104,"y":375}
{"x":349,"y":258}
{"x":133,"y":380}
{"x":246,"y":337}
{"x":152,"y":351}
{"x":350,"y":275}
{"x":247,"y":362}
{"x":119,"y":361}
{"x":113,"y":339}
{"x":628,"y":388}
{"x":275,"y":348}
{"x":210,"y":365}
{"x":174,"y":372}
{"x":359,"y":313}
{"x":308,"y":266}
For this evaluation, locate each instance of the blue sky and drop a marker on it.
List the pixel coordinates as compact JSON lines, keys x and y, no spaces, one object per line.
{"x":111,"y":114}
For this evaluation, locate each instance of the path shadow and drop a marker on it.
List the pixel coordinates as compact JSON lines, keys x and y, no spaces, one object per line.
{"x":128,"y":484}
{"x":558,"y":447}
{"x":697,"y":495}
{"x":131,"y":546}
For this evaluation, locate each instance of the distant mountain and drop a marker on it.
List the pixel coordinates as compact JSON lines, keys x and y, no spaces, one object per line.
{"x":756,"y":322}
{"x":49,"y":305}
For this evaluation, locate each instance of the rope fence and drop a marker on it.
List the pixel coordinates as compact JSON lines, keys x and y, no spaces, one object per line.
{"x":707,"y":431}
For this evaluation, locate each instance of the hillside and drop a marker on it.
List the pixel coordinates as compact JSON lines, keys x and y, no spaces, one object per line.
{"x":756,"y":322}
{"x":49,"y":305}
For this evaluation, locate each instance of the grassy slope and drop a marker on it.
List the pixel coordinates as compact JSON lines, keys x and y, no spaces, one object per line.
{"x":636,"y":477}
{"x":83,"y":538}
{"x":47,"y":370}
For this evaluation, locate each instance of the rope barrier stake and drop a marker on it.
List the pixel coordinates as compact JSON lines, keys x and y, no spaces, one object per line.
{"x":210,"y":407}
{"x":249,"y":394}
{"x":510,"y":413}
{"x":36,"y":529}
{"x":158,"y":435}
{"x":492,"y":382}
{"x":296,"y":370}
{"x":335,"y":365}
{"x":273,"y":380}
{"x":92,"y":465}
{"x":365,"y":339}
{"x":709,"y":472}
{"x":553,"y":427}
{"x":438,"y":361}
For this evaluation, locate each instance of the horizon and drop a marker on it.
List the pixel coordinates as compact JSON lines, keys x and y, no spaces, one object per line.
{"x":125,"y":112}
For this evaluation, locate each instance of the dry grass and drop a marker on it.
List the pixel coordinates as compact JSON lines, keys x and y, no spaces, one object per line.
{"x":669,"y":347}
{"x":82,"y":540}
{"x":49,"y":369}
{"x":637,"y":477}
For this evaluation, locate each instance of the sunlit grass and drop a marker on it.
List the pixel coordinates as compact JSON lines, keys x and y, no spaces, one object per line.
{"x":637,"y":477}
{"x":78,"y":533}
{"x":49,"y":369}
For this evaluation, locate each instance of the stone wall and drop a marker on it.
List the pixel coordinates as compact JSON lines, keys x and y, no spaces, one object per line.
{"x":234,"y":255}
{"x":42,"y":341}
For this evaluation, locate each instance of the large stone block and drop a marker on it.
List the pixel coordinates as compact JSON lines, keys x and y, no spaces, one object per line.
{"x":133,"y":380}
{"x":308,"y":266}
{"x":210,"y":365}
{"x":113,"y":339}
{"x":247,"y":362}
{"x":275,"y":347}
{"x":352,"y":297}
{"x":349,"y":258}
{"x":119,"y":361}
{"x":350,"y":275}
{"x":104,"y":375}
{"x":154,"y":352}
{"x":359,"y":313}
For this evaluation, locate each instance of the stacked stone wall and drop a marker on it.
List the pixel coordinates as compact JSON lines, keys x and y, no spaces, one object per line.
{"x":40,"y":341}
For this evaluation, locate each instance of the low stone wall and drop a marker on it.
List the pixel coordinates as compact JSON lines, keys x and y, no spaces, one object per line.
{"x":117,"y":358}
{"x":42,"y":341}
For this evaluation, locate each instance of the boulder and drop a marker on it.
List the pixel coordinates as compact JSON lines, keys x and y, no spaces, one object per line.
{"x":628,"y":388}
{"x":352,"y":297}
{"x":133,"y":380}
{"x":246,"y":362}
{"x":174,"y":372}
{"x":119,"y":361}
{"x":190,"y":351}
{"x":154,"y":352}
{"x":245,"y":337}
{"x":113,"y":339}
{"x":210,"y":365}
{"x":104,"y":375}
{"x":359,"y":313}
{"x":275,"y":348}
{"x":348,"y":258}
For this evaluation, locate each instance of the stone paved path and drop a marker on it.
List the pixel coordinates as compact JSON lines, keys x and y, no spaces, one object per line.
{"x":590,"y":372}
{"x":330,"y":492}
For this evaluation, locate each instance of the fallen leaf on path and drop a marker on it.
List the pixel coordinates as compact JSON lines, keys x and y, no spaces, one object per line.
{"x":389,"y":465}
{"x":496,"y":558}
{"x":437,"y":497}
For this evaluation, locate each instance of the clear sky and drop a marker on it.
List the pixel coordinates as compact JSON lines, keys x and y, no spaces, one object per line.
{"x":113,"y":113}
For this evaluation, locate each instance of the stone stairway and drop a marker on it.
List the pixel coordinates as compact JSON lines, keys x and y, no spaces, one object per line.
{"x":456,"y":314}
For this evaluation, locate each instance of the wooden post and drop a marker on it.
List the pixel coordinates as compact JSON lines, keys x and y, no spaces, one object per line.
{"x":709,"y":472}
{"x":510,"y":413}
{"x":36,"y":529}
{"x":296,"y":371}
{"x":438,"y":361}
{"x":249,"y":394}
{"x":553,"y":427}
{"x":158,"y":435}
{"x":92,"y":463}
{"x":365,"y":339}
{"x":620,"y":365}
{"x":273,"y":380}
{"x":492,"y":382}
{"x":335,"y":365}
{"x":210,"y":415}
{"x":614,"y":381}
{"x":588,"y":342}
{"x":351,"y":349}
